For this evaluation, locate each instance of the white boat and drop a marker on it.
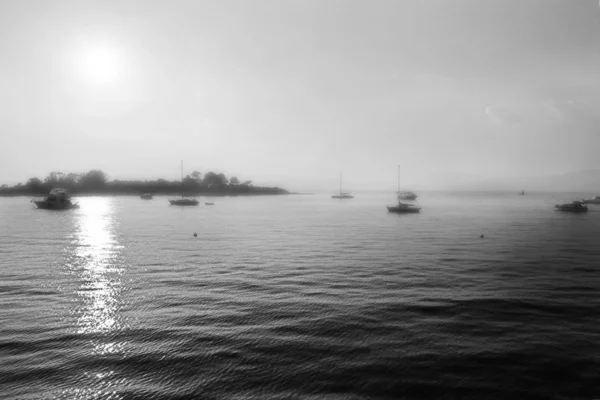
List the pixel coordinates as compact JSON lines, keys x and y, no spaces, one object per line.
{"x":593,"y":200}
{"x":403,"y":207}
{"x":342,"y":195}
{"x":183,"y":201}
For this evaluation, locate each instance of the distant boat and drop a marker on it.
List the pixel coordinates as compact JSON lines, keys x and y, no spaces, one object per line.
{"x":593,"y":200}
{"x":342,"y":195}
{"x":146,"y":196}
{"x":576,"y":206}
{"x":209,"y":204}
{"x":58,"y":199}
{"x":522,"y":192}
{"x":405,"y":195}
{"x":183,"y":201}
{"x":403,"y":207}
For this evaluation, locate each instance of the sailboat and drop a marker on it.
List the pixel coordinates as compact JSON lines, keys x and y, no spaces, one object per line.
{"x":407,"y":195}
{"x":183,"y":201}
{"x":342,"y":195}
{"x":403,"y":207}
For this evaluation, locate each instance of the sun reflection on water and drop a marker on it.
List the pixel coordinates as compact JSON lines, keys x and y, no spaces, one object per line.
{"x":98,"y":265}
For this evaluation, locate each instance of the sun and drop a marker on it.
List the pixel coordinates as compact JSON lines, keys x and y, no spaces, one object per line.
{"x":100,"y":65}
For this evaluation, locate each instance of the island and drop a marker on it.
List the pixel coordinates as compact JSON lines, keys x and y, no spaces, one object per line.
{"x":96,"y":182}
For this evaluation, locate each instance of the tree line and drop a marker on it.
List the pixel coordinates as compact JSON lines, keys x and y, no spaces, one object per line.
{"x":97,"y":182}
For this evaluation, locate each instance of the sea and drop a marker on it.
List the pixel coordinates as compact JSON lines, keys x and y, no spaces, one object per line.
{"x":301,"y":297}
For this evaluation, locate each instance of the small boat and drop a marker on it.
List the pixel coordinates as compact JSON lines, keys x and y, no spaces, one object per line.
{"x":593,"y":200}
{"x":406,"y":195}
{"x":183,"y":201}
{"x":58,"y":199}
{"x":146,"y":196}
{"x":522,"y":193}
{"x":404,"y":208}
{"x":576,"y":206}
{"x":209,"y":204}
{"x":342,"y":195}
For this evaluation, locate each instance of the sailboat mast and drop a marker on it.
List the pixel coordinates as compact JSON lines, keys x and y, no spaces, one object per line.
{"x":398,"y":179}
{"x":182,"y":179}
{"x":340,"y":183}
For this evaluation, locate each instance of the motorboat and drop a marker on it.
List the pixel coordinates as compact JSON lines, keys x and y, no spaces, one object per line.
{"x":342,"y":195}
{"x":146,"y":196}
{"x":57,"y":199}
{"x":576,"y":206}
{"x":209,"y":204}
{"x":407,"y":196}
{"x":593,"y":200}
{"x":403,"y":208}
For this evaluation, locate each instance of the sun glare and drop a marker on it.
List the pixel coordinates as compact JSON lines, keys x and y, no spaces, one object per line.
{"x":100,"y":65}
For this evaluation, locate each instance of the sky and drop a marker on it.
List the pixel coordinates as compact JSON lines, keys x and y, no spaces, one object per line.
{"x":291,"y":92}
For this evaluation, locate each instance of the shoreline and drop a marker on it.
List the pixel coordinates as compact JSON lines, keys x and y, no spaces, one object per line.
{"x":74,"y":195}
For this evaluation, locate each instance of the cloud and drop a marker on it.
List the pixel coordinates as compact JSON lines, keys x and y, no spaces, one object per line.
{"x":567,"y":110}
{"x":503,"y":116}
{"x":553,"y":111}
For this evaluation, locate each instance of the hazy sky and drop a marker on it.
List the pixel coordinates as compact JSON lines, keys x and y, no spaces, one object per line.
{"x":294,"y":91}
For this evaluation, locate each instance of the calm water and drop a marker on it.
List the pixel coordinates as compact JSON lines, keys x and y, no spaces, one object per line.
{"x":300,"y":297}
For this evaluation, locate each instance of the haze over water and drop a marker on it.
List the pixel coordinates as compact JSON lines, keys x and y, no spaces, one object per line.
{"x":289,"y":93}
{"x":300,"y":297}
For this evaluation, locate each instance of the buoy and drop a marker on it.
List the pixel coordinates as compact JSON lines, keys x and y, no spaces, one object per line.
{"x":195,"y":234}
{"x":479,"y":236}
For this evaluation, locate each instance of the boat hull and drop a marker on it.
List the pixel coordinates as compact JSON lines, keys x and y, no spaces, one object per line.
{"x":43,"y":205}
{"x":184,"y":202}
{"x":342,"y":196}
{"x":570,"y":208}
{"x":403,"y":210}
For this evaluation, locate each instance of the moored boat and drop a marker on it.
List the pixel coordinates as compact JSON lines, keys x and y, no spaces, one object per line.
{"x":407,"y":196}
{"x":403,"y":208}
{"x":404,"y":195}
{"x":342,"y":195}
{"x":57,"y":199}
{"x":146,"y":196}
{"x":183,"y":201}
{"x":576,"y":206}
